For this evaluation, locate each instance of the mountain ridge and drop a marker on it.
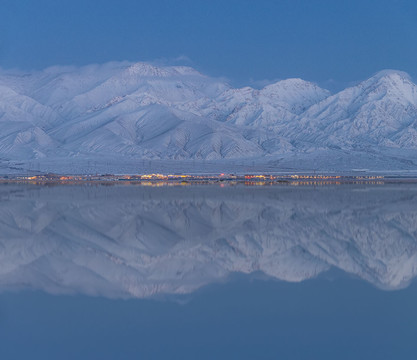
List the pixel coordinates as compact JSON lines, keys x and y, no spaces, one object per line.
{"x":139,"y":111}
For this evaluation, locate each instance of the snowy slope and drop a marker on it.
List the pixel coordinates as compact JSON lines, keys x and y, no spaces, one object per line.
{"x":379,"y":112}
{"x":138,"y":111}
{"x":24,"y":125}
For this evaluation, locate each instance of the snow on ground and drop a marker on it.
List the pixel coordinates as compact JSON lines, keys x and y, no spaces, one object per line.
{"x":120,"y":117}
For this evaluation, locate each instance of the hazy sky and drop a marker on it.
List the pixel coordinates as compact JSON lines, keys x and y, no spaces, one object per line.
{"x":246,"y":41}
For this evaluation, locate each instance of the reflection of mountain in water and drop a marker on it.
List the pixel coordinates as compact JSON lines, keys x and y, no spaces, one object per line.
{"x":135,"y":241}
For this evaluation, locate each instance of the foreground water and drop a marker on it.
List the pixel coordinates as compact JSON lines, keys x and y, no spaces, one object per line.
{"x":120,"y":272}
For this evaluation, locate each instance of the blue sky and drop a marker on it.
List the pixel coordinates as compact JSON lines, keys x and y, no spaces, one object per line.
{"x":328,"y":41}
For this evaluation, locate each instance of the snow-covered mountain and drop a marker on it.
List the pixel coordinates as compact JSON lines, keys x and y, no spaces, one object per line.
{"x":379,"y":112}
{"x":122,"y":112}
{"x":137,"y":242}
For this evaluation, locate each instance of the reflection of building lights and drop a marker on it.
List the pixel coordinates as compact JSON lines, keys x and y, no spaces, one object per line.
{"x":157,"y":179}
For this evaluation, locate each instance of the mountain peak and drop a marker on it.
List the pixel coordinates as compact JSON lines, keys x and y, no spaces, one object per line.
{"x":148,"y":70}
{"x":290,"y":83}
{"x":391,"y":74}
{"x":392,"y":83}
{"x":300,"y":94}
{"x":388,"y":79}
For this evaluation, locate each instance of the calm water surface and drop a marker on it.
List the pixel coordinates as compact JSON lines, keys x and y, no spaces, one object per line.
{"x":203,"y":272}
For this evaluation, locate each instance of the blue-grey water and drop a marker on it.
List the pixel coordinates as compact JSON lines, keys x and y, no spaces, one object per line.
{"x":208,"y":272}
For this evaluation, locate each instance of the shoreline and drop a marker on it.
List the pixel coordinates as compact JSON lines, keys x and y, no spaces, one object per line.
{"x":220,"y":180}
